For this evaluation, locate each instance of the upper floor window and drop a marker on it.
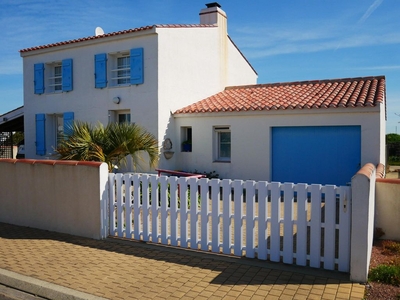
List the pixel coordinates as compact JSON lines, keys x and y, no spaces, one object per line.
{"x":53,"y":77}
{"x":122,"y":74}
{"x":121,"y":68}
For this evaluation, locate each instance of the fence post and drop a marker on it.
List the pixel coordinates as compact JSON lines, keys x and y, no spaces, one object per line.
{"x":362,"y":222}
{"x":104,"y":181}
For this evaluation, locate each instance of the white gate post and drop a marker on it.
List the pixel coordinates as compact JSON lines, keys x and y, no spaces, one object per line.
{"x":362,"y":222}
{"x":104,"y":183}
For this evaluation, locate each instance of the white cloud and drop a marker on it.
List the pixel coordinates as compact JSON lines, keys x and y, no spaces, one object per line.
{"x":370,"y":10}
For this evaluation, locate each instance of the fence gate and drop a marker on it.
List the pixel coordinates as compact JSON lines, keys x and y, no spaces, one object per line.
{"x":306,"y":225}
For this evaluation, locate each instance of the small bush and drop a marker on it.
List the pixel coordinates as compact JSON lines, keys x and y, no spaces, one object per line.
{"x":394,"y":160}
{"x":386,"y":274}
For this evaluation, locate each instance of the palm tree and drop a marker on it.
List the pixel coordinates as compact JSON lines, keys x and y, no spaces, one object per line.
{"x":110,"y":144}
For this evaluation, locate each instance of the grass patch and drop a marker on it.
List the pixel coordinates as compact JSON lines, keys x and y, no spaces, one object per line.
{"x":386,"y":274}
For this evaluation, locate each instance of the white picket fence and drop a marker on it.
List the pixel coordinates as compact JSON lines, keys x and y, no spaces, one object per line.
{"x":306,"y":225}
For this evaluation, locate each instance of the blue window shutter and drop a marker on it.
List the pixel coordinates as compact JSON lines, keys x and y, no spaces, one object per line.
{"x":100,"y":70}
{"x":39,"y":78}
{"x":68,"y":121}
{"x":40,"y":134}
{"x":137,"y":66}
{"x":67,"y":75}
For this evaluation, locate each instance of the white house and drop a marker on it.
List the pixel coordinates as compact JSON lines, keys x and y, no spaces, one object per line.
{"x":193,"y":89}
{"x":311,"y":132}
{"x":141,"y":75}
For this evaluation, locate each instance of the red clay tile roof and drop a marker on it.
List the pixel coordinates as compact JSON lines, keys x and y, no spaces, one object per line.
{"x":115,"y":33}
{"x":346,"y":92}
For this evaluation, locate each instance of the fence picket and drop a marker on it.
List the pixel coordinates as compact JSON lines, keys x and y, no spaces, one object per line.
{"x":145,"y":207}
{"x":262,"y":220}
{"x":226,"y":216}
{"x":128,"y":206}
{"x":120,"y":206}
{"x":250,"y":214}
{"x":329,"y":229}
{"x":275,"y":237}
{"x":154,"y":209}
{"x":204,"y":237}
{"x":164,"y":209}
{"x":111,"y":195}
{"x":215,"y":208}
{"x":173,"y":181}
{"x":344,"y":229}
{"x":137,"y":218}
{"x":301,"y":239}
{"x":183,"y":211}
{"x":238,"y":212}
{"x":315,"y":223}
{"x":288,"y":199}
{"x":194,"y":220}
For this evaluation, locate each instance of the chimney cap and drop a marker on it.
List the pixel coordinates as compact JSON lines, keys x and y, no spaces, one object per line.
{"x":213,"y":4}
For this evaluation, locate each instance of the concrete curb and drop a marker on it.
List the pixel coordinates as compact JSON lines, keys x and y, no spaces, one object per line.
{"x":42,"y":288}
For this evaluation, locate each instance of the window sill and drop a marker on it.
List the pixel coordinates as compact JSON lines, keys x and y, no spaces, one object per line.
{"x":54,"y":92}
{"x":119,"y":85}
{"x":222,"y":161}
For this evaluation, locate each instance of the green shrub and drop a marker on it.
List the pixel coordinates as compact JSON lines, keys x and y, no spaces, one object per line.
{"x":393,"y":160}
{"x":386,"y":274}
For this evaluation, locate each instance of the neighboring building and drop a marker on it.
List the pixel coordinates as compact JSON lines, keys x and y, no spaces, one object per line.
{"x":193,"y":89}
{"x":139,"y":75}
{"x":311,"y":132}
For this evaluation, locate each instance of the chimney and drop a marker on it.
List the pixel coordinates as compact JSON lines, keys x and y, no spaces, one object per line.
{"x":213,"y":14}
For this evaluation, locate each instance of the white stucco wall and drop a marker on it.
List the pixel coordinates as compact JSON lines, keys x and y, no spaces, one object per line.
{"x":240,"y":71}
{"x":68,"y":197}
{"x":387,"y":216}
{"x":185,"y":79}
{"x":251,"y":136}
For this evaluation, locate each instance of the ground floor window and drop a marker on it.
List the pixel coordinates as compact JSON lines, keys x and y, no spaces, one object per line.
{"x":124,"y":118}
{"x":119,"y":116}
{"x":222,"y":143}
{"x":186,"y":139}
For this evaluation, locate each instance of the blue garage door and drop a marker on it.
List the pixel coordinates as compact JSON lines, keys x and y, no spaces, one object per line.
{"x":323,"y":154}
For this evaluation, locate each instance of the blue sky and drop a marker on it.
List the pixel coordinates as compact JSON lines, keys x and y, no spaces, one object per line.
{"x":283,"y":40}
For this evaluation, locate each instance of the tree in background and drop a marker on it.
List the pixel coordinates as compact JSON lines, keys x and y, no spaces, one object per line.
{"x":393,"y":148}
{"x":392,"y":138}
{"x":110,"y":144}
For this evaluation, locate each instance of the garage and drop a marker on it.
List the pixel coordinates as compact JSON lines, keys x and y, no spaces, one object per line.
{"x":316,"y":154}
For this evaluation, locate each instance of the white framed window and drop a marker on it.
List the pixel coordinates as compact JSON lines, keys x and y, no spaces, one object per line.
{"x":54,"y":77}
{"x":119,"y":116}
{"x":54,"y":132}
{"x":222,"y":142}
{"x":59,"y":122}
{"x":186,"y":139}
{"x":124,"y":118}
{"x":120,"y":71}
